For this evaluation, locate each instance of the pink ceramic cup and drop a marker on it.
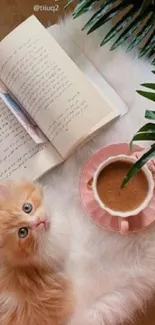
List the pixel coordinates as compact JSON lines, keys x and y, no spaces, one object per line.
{"x":123,"y":216}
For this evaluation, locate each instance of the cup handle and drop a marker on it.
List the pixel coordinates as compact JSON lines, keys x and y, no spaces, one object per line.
{"x":123,"y":225}
{"x":89,"y":183}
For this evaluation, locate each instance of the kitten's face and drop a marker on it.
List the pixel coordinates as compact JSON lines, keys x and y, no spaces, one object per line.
{"x":23,"y":222}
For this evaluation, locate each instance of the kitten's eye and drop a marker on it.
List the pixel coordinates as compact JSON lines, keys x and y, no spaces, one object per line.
{"x":27,"y":207}
{"x":23,"y":232}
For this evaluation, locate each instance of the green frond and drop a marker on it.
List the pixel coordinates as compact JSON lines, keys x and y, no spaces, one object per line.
{"x":149,"y":85}
{"x":136,"y":25}
{"x":142,"y":33}
{"x":150,"y":43}
{"x":119,"y":26}
{"x":150,"y":115}
{"x":146,"y":94}
{"x":69,"y":3}
{"x":99,"y":13}
{"x":129,"y":30}
{"x":107,"y":16}
{"x":82,"y":7}
{"x":138,"y":165}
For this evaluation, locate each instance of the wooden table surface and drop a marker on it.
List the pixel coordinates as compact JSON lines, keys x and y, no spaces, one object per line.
{"x":12,"y":13}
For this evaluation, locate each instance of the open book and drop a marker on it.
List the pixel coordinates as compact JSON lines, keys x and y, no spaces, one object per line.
{"x":62,"y":102}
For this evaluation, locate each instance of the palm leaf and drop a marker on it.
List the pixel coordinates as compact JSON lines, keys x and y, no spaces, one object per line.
{"x":129,"y":30}
{"x":149,"y":85}
{"x":138,"y":165}
{"x":148,"y":44}
{"x":144,"y":136}
{"x":69,"y":3}
{"x":145,"y":133}
{"x":119,"y":26}
{"x":83,"y":7}
{"x":147,"y":94}
{"x":99,"y":13}
{"x":151,"y":52}
{"x":136,"y":24}
{"x":149,"y":127}
{"x":142,"y":33}
{"x":109,"y":15}
{"x":150,"y":115}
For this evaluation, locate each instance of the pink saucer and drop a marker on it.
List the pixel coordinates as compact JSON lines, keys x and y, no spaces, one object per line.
{"x":101,"y":217}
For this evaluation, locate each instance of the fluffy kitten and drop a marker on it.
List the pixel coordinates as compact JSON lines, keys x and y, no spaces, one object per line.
{"x":31,"y":290}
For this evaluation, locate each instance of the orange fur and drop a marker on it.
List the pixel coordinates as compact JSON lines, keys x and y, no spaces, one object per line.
{"x":32,"y":292}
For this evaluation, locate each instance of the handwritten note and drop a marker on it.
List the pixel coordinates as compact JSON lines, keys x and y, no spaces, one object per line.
{"x":16,"y":146}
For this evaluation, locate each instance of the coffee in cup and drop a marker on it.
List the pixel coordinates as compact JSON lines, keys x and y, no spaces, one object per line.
{"x":121,"y":199}
{"x":127,"y":201}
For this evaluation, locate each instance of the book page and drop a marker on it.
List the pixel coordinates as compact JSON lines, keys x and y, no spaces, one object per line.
{"x":87,"y":65}
{"x":20,"y":156}
{"x":60,"y":99}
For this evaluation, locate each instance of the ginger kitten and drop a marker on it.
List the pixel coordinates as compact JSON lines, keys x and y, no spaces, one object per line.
{"x":32,"y":292}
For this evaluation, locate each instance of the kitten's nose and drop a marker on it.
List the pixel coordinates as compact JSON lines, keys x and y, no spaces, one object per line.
{"x":38,"y":223}
{"x":41,"y":223}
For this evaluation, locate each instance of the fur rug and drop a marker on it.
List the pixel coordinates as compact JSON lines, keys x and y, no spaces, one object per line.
{"x":125,"y":72}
